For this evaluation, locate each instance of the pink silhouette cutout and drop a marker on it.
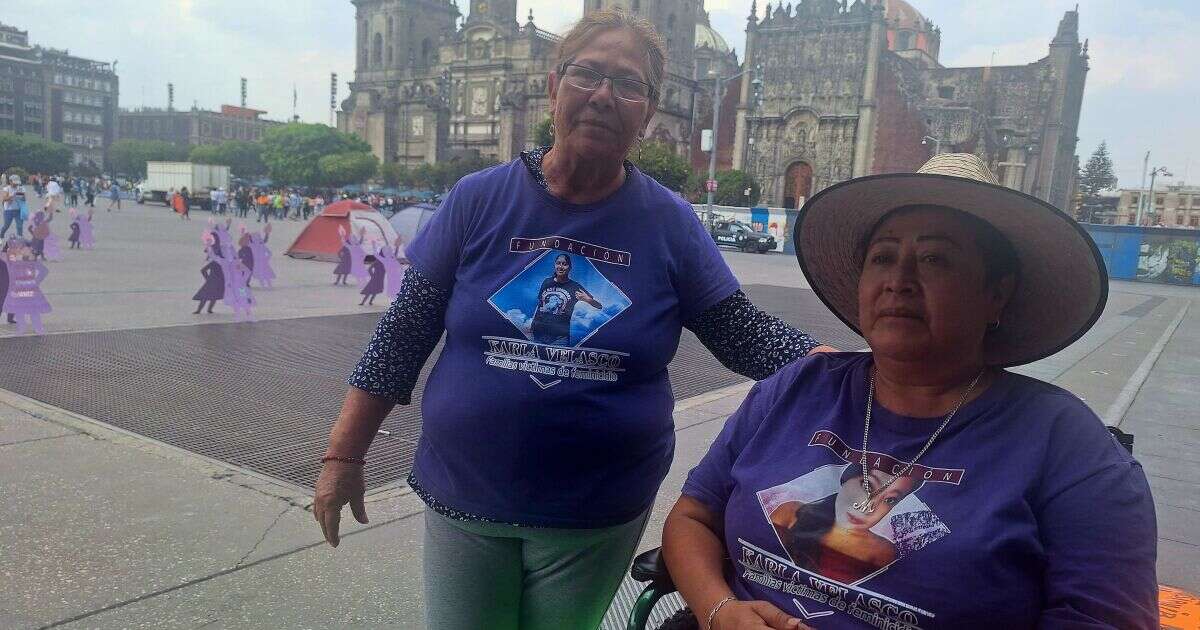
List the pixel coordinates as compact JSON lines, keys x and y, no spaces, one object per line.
{"x":393,"y":267}
{"x":260,"y":267}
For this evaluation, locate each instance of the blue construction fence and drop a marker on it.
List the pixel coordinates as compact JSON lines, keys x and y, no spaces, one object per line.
{"x":1149,"y":254}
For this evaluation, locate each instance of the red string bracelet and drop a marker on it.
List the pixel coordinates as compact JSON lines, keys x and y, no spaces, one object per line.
{"x":347,"y":460}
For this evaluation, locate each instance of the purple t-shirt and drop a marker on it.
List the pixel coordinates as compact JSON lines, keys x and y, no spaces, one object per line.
{"x":1024,"y":513}
{"x":572,"y":429}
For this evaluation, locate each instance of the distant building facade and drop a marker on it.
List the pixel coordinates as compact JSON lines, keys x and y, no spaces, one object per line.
{"x":58,"y":96}
{"x":846,"y":88}
{"x":1173,"y":205}
{"x":196,"y":126}
{"x":426,"y":89}
{"x":857,"y":89}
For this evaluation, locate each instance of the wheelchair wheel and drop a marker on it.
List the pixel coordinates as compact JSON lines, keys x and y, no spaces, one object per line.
{"x":681,"y":620}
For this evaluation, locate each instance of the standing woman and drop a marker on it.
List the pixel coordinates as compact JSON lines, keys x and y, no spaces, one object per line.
{"x":540,"y":482}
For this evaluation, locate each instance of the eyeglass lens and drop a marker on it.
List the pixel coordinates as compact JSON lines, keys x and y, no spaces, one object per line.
{"x":587,"y":79}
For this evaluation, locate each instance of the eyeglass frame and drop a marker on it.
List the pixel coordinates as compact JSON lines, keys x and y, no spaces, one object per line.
{"x":651,"y":93}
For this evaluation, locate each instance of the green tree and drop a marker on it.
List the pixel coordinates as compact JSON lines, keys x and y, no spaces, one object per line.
{"x":1097,"y":174}
{"x":542,"y":135}
{"x":731,"y":189}
{"x":33,"y":153}
{"x":395,"y":174}
{"x":292,"y":152}
{"x":243,"y":158}
{"x":659,"y":160}
{"x":354,"y":167}
{"x":129,"y":157}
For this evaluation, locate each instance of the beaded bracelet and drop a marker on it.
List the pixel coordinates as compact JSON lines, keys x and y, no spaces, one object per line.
{"x":347,"y":460}
{"x":716,"y":609}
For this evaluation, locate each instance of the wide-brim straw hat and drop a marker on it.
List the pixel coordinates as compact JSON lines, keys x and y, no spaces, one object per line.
{"x":1062,"y":284}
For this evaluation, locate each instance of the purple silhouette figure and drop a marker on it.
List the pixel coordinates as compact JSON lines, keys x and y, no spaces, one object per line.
{"x":4,"y":279}
{"x":374,"y":286}
{"x":238,"y":294}
{"x":213,"y":271}
{"x":76,"y":231}
{"x":393,"y":268}
{"x":87,"y":238}
{"x":358,"y":265}
{"x":261,"y":255}
{"x":24,"y":298}
{"x":343,"y":267}
{"x":224,"y":240}
{"x":38,"y":233}
{"x":245,"y":254}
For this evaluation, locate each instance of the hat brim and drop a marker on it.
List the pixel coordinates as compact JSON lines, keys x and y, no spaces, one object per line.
{"x":1063,"y":283}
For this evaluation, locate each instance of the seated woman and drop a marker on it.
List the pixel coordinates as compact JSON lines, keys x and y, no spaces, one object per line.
{"x":921,"y":485}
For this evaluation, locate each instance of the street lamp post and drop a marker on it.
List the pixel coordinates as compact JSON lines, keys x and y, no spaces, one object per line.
{"x":1154,"y":173}
{"x":937,"y":143}
{"x":718,"y":85}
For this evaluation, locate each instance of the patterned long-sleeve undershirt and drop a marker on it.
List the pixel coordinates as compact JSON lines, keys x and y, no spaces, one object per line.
{"x":743,"y":338}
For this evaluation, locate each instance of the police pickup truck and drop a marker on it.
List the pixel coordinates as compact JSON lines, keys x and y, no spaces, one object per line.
{"x":733,"y":233}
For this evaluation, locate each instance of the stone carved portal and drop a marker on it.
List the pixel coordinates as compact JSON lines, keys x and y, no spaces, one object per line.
{"x":797,"y":184}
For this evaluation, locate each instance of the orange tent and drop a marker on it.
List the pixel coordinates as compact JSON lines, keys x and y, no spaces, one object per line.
{"x":320,"y":239}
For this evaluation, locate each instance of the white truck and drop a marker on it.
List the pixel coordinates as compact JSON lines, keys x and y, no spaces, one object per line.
{"x":200,"y":179}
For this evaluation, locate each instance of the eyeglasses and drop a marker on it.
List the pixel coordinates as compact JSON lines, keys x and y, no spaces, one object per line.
{"x":588,"y":80}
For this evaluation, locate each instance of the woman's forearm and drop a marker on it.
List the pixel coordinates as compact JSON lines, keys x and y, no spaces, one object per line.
{"x":359,"y":420}
{"x":695,"y":557}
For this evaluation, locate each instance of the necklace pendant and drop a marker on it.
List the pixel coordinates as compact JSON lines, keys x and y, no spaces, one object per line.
{"x":864,"y":506}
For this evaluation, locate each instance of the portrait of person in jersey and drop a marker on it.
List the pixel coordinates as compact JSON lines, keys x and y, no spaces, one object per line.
{"x":818,"y":525}
{"x":560,"y":299}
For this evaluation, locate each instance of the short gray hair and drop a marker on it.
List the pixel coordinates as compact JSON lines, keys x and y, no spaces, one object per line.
{"x":606,"y":20}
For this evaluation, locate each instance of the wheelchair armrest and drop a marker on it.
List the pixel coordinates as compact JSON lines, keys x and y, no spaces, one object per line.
{"x":1125,"y":439}
{"x":650,"y":566}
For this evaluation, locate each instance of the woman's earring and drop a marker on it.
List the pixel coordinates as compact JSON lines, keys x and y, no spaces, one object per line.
{"x":994,"y":326}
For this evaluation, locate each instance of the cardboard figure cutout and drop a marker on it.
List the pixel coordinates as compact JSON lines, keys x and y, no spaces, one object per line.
{"x":260,"y":268}
{"x":393,"y":268}
{"x":238,"y":295}
{"x":343,"y":266}
{"x":213,"y":272}
{"x":244,"y":253}
{"x":4,"y":277}
{"x":76,"y":231}
{"x":87,"y":239}
{"x":374,"y":286}
{"x":358,"y":255}
{"x":38,"y":231}
{"x":25,"y":299}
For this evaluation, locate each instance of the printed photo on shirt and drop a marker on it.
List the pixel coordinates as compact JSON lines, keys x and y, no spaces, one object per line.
{"x":820,"y":529}
{"x":560,"y":299}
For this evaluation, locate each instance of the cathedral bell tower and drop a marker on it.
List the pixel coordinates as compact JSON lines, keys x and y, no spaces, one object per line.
{"x":502,"y":13}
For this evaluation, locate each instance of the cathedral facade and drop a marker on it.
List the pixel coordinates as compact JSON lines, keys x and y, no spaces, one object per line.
{"x":831,"y":89}
{"x":857,"y":89}
{"x":427,"y":88}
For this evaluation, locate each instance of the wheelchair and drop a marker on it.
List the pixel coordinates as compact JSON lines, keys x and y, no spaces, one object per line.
{"x":650,"y":567}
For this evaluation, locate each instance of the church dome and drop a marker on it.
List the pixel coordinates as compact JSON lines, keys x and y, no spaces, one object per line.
{"x":901,"y":15}
{"x":707,"y":37}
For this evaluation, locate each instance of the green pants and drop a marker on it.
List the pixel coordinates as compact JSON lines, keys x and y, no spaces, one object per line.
{"x":503,"y":577}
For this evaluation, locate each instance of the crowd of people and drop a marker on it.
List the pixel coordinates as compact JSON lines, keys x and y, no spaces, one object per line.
{"x":76,"y":190}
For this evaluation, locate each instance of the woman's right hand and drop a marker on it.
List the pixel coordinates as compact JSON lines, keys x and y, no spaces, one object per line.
{"x":339,"y":483}
{"x":756,"y":615}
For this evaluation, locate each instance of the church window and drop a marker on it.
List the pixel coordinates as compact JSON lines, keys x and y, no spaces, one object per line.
{"x":426,"y":51}
{"x":599,"y":4}
{"x":945,"y":91}
{"x":671,"y":23}
{"x":412,"y":23}
{"x":391,"y":26}
{"x":637,"y":5}
{"x":904,"y":41}
{"x":389,"y":55}
{"x":377,"y":50}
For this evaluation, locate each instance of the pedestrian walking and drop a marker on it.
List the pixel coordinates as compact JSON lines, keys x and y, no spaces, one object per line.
{"x":54,"y":195}
{"x":89,"y":191}
{"x":12,"y":198}
{"x":114,"y":196}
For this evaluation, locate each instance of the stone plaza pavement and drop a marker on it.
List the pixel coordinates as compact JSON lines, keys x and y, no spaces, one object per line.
{"x":106,"y":529}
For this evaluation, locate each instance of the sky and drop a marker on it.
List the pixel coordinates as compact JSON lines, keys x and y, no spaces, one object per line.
{"x":1141,"y":92}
